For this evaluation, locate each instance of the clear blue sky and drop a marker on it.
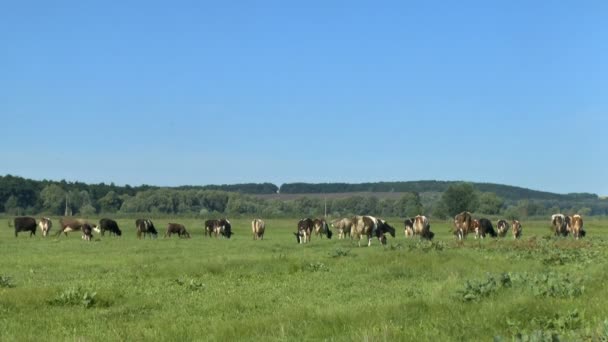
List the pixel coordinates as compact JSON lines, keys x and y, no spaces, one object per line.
{"x":208,"y":92}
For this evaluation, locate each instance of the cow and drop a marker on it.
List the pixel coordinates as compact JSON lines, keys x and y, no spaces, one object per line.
{"x":502,"y":226}
{"x":45,"y":224}
{"x":219,"y":227}
{"x":368,"y":226}
{"x":258,"y":226}
{"x":224,"y":228}
{"x":176,"y":228}
{"x":559,"y":224}
{"x":483,"y":227}
{"x":576,"y":226}
{"x":210,"y":227}
{"x":305,"y":228}
{"x":109,"y":225}
{"x":87,"y":231}
{"x":422,"y":228}
{"x":320,"y":228}
{"x":70,"y":224}
{"x":382,"y":229}
{"x":343,"y":226}
{"x":145,"y":226}
{"x":409,"y":227}
{"x":463,"y":224}
{"x":24,"y":224}
{"x":516,"y":229}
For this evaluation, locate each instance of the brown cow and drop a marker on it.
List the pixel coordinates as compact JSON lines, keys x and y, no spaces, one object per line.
{"x":370,"y":226}
{"x":258,"y":226}
{"x":516,"y":228}
{"x":422,"y":228}
{"x":576,"y":226}
{"x":176,"y":228}
{"x":70,"y":224}
{"x":463,"y":224}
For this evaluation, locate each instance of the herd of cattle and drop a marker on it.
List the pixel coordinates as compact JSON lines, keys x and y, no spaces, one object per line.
{"x":356,"y":227}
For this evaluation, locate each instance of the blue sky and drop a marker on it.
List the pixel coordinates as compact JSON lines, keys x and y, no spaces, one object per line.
{"x":209,"y":92}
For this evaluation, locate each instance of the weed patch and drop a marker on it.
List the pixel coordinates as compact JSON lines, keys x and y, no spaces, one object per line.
{"x":6,"y":282}
{"x":75,"y":297}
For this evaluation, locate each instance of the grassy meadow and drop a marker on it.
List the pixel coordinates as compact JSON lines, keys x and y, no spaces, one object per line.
{"x":208,"y":289}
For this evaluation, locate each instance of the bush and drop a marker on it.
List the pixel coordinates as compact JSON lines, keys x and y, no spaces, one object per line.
{"x":75,"y":297}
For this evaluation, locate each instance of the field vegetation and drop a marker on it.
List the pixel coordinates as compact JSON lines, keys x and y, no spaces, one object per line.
{"x":534,"y":289}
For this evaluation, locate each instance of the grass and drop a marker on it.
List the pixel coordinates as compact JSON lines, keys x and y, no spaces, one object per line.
{"x":275,"y":290}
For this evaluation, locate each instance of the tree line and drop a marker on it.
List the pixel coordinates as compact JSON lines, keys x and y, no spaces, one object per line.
{"x":20,"y":196}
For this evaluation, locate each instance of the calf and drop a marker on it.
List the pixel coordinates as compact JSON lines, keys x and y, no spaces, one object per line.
{"x":343,"y":226}
{"x":516,"y":228}
{"x":176,"y":228}
{"x":45,"y":225}
{"x":257,"y":228}
{"x":25,"y":224}
{"x":109,"y":225}
{"x":145,"y":226}
{"x":382,"y":229}
{"x":409,"y":227}
{"x":87,"y":231}
{"x":320,"y":228}
{"x":502,"y":227}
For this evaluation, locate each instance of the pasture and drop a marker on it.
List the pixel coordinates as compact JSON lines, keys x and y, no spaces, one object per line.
{"x":202,"y":288}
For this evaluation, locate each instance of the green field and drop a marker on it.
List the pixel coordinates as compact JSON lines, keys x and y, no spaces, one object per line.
{"x":110,"y":289}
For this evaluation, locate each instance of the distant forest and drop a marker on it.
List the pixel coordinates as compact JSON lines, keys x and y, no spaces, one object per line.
{"x":439,"y":199}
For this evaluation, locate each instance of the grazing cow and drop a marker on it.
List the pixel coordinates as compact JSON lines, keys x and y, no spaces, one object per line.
{"x":25,"y":224}
{"x":559,"y":223}
{"x":576,"y":226}
{"x":516,"y":228}
{"x":484,"y":227}
{"x":422,"y":228}
{"x":219,"y":227}
{"x":502,"y":227}
{"x":145,"y":226}
{"x":463,"y":224}
{"x":368,"y":226}
{"x":109,"y":225}
{"x":320,"y":228}
{"x":409,"y":227}
{"x":258,"y":226}
{"x":45,"y":225}
{"x":382,"y":229}
{"x":305,"y":228}
{"x":343,"y":226}
{"x":176,"y":228}
{"x":69,"y":224}
{"x":87,"y":231}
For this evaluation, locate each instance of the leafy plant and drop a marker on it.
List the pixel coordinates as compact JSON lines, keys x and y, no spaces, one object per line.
{"x":74,"y":297}
{"x":6,"y":282}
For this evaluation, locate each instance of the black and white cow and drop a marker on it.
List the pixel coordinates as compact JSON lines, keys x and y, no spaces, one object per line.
{"x":45,"y":225}
{"x":145,"y":226}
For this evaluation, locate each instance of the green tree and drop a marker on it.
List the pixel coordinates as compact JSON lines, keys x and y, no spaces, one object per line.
{"x":460,"y":197}
{"x":490,"y":203}
{"x":11,"y":206}
{"x":53,"y":199}
{"x":110,"y":203}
